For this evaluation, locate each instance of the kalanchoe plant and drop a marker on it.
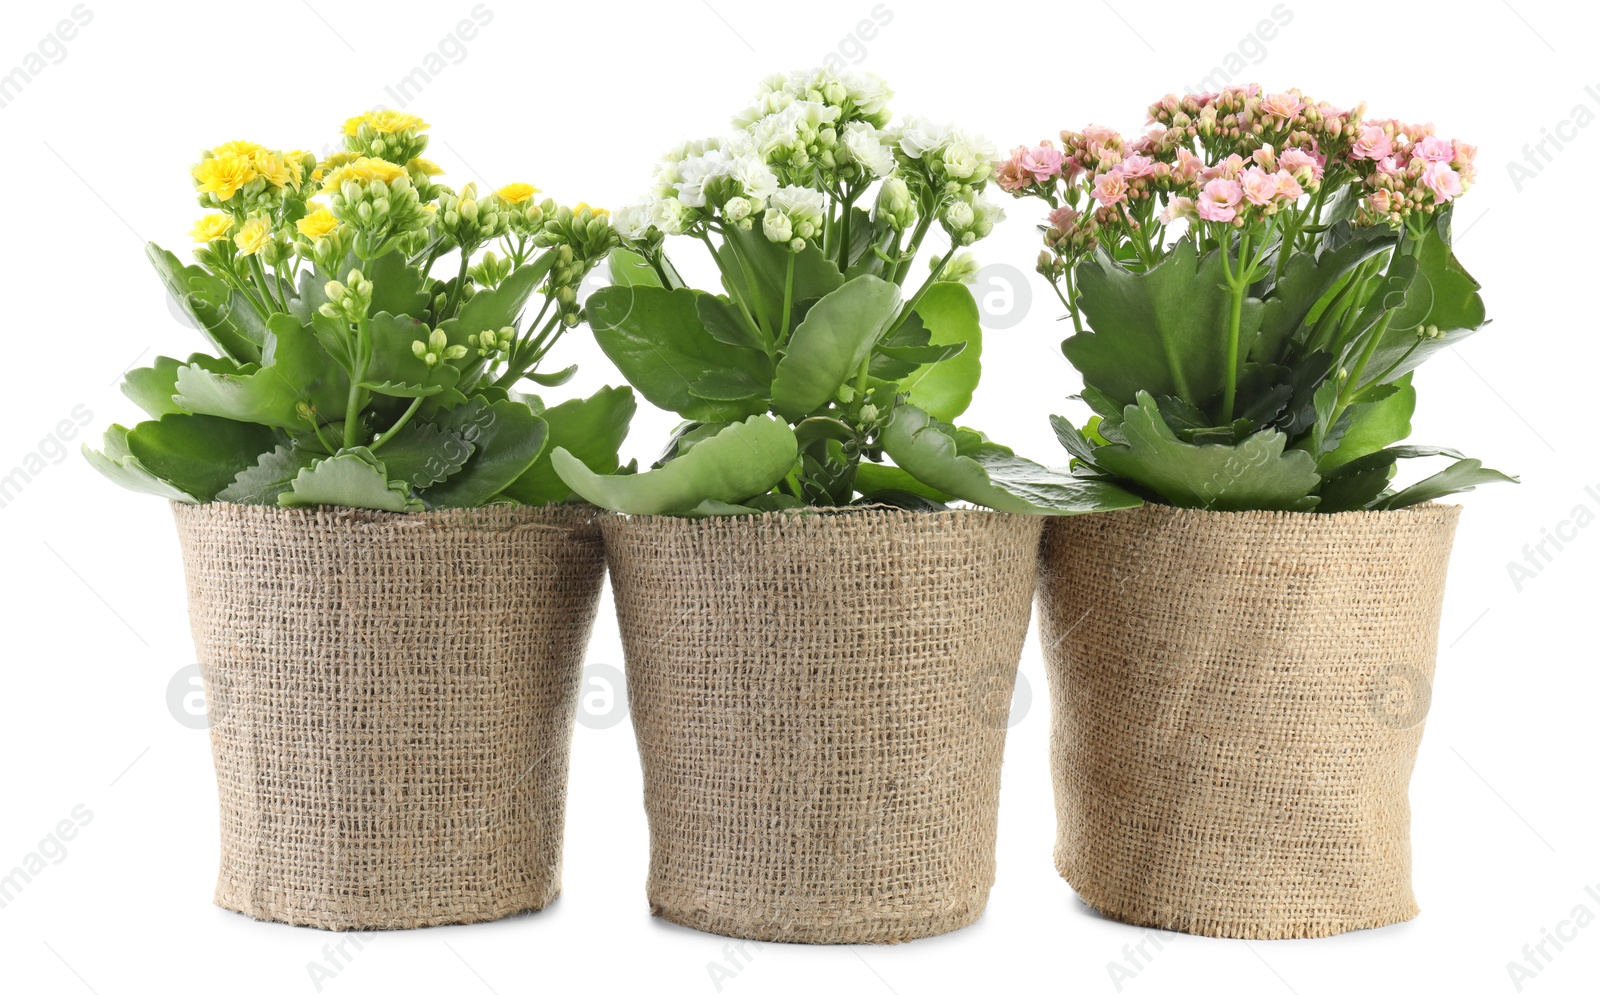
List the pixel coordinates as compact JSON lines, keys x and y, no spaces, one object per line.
{"x":1251,"y":284}
{"x":810,"y":371}
{"x":345,"y":372}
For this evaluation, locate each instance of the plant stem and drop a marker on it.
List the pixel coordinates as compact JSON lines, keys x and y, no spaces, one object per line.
{"x":461,"y":282}
{"x":1237,"y":285}
{"x":416,"y":402}
{"x":733,"y":285}
{"x":844,"y":231}
{"x":788,"y":301}
{"x":356,"y":399}
{"x":1367,"y":351}
{"x":933,"y":277}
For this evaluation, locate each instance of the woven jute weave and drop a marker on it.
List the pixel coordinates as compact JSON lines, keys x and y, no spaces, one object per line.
{"x":391,"y":701}
{"x":820,"y":705}
{"x":1237,"y":703}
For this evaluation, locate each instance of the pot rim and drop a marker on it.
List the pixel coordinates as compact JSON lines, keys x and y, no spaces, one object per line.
{"x":554,"y":517}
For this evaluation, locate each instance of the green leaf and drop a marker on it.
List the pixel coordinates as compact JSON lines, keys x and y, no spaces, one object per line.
{"x":273,"y":474}
{"x":393,"y":361}
{"x":745,"y":459}
{"x":494,"y":309}
{"x":656,"y":339}
{"x":422,"y":454}
{"x":591,"y":429}
{"x":1455,"y":308}
{"x":724,"y":323}
{"x":121,"y":467}
{"x":1459,"y":477}
{"x":198,"y":454}
{"x":555,"y":379}
{"x":1306,"y":280}
{"x":882,"y":478}
{"x":943,"y":388}
{"x":760,"y":268}
{"x":728,"y":385}
{"x":830,"y":345}
{"x":992,"y":476}
{"x":1256,"y":474}
{"x":351,"y":479}
{"x":923,"y":355}
{"x":629,"y":269}
{"x":295,"y":369}
{"x":152,"y":387}
{"x":1164,"y":331}
{"x":209,"y":304}
{"x":507,"y":438}
{"x":1374,"y":425}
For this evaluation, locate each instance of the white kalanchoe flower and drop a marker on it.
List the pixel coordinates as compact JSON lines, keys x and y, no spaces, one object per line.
{"x":967,"y":157}
{"x":696,"y":171}
{"x":969,"y":217}
{"x":896,"y":205}
{"x":632,"y":221}
{"x":670,"y":216}
{"x":772,"y":96}
{"x":865,"y":145}
{"x":869,"y":93}
{"x":794,"y":215}
{"x":918,"y":136}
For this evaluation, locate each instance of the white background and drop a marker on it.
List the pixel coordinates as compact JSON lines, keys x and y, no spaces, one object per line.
{"x":581,"y":99}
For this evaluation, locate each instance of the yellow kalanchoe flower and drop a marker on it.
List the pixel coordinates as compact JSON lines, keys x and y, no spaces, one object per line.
{"x":599,"y":212}
{"x":363,"y":170}
{"x":224,"y":174}
{"x":212,"y":228}
{"x":426,"y":167}
{"x":253,"y":235}
{"x":275,"y":171}
{"x":318,"y":223}
{"x":385,"y":122}
{"x":240,"y":147}
{"x":516,"y":193}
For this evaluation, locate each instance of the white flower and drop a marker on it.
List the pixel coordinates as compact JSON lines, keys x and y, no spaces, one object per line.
{"x":796,"y":125}
{"x":918,"y":136}
{"x":868,"y":92}
{"x":670,"y":215}
{"x":966,"y":156}
{"x":755,"y":176}
{"x":772,"y":96}
{"x":632,"y":221}
{"x":865,"y":145}
{"x":776,"y":226}
{"x":801,"y":209}
{"x":695,"y":172}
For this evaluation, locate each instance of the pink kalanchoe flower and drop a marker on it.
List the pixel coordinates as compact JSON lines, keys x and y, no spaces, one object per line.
{"x":1227,"y":169}
{"x":1282,"y":105}
{"x":1265,"y":158}
{"x":1218,"y":200}
{"x":1043,"y":161}
{"x":1434,"y":149}
{"x":1188,"y":167}
{"x":1111,"y":188}
{"x":1442,"y":180}
{"x":1464,"y":153}
{"x":1100,"y":133}
{"x":1301,"y":163}
{"x":1289,"y":189}
{"x":1372,"y":143}
{"x":1137,"y":166}
{"x":1063,"y":218}
{"x":1012,"y":174}
{"x":1378,"y":202}
{"x":1388,"y":166}
{"x":1260,"y":187}
{"x":1178,"y":207}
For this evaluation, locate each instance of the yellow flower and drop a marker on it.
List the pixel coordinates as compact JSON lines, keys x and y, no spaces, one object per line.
{"x":253,"y":235}
{"x":246,"y":149}
{"x":275,"y":171}
{"x":516,"y":193}
{"x":426,"y":167}
{"x":211,"y":228}
{"x":224,"y":174}
{"x":385,"y":122}
{"x":318,"y":223}
{"x":598,"y":212}
{"x":363,"y":170}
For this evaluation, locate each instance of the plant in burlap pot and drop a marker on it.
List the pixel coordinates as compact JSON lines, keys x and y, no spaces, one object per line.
{"x":390,"y":601}
{"x":809,"y":630}
{"x":1240,"y":668}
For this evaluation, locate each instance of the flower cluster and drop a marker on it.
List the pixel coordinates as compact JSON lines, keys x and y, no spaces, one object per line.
{"x":810,"y":138}
{"x":1241,"y":158}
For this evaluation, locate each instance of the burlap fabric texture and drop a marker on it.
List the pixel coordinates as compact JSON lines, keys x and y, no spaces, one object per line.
{"x":1237,"y":703}
{"x":820,"y":702}
{"x":391,"y":701}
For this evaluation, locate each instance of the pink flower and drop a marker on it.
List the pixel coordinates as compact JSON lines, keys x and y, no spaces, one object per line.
{"x":1464,"y":153}
{"x":1442,"y":180}
{"x":1178,"y":207}
{"x":1389,"y":167}
{"x":1218,"y":200}
{"x":1378,"y":202}
{"x":1111,"y":188}
{"x":1434,"y":149}
{"x":1228,"y":169}
{"x":1301,"y":163}
{"x":1372,"y":143}
{"x":1137,"y":166}
{"x":1012,"y":174}
{"x":1188,"y":166}
{"x":1289,"y":189}
{"x":1100,"y":133}
{"x":1063,"y":218}
{"x":1284,"y":105}
{"x":1265,"y":158}
{"x":1260,"y":187}
{"x":1043,"y":161}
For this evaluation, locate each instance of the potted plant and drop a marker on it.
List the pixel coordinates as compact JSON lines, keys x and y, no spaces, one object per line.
{"x":1239,"y":669}
{"x":808,"y":625}
{"x":390,"y":601}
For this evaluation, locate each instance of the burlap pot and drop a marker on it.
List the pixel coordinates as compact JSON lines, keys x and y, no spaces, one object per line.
{"x":391,"y":701}
{"x":820,"y":704}
{"x":1238,"y":700}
